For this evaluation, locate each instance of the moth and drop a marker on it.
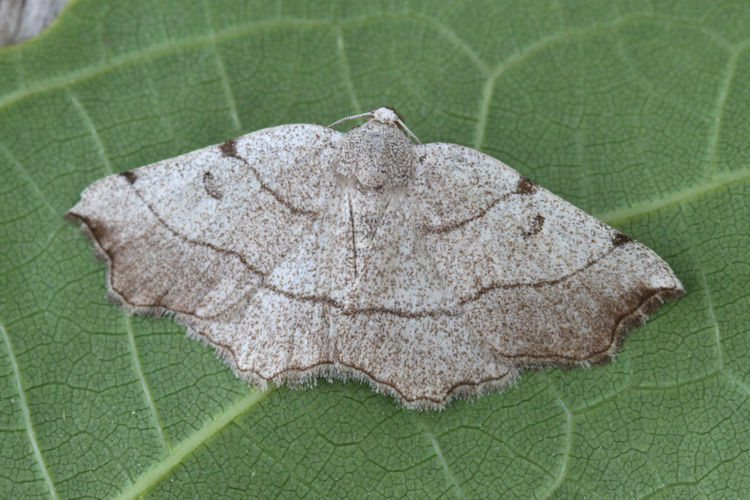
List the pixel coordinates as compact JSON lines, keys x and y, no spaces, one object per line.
{"x":429,"y":271}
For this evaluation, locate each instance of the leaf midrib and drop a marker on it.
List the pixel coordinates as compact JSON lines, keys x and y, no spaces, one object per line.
{"x":213,"y":38}
{"x":174,"y":458}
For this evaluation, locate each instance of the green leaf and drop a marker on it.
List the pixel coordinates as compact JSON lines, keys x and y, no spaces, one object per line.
{"x":635,"y":111}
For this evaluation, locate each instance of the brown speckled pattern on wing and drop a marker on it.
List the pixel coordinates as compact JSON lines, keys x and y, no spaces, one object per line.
{"x":430,"y":271}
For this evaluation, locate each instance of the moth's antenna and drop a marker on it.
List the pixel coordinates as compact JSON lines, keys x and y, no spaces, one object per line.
{"x":353,"y":117}
{"x":384,"y":115}
{"x":408,"y":132}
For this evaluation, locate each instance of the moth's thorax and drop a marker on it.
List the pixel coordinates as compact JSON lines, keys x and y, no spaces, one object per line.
{"x":376,"y":156}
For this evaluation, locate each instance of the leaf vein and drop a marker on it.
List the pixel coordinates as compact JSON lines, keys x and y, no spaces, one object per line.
{"x":25,"y":173}
{"x":291,"y":472}
{"x":529,"y":51}
{"x":347,"y":70}
{"x":144,"y":383}
{"x":721,"y":100}
{"x":92,"y":129}
{"x":223,"y":73}
{"x":568,"y":447}
{"x":179,"y":453}
{"x":27,"y":413}
{"x":704,"y":282}
{"x":128,"y":324}
{"x":440,"y":458}
{"x":677,"y":197}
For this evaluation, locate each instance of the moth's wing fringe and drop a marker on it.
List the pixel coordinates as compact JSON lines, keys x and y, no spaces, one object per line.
{"x":636,"y":317}
{"x":308,"y":377}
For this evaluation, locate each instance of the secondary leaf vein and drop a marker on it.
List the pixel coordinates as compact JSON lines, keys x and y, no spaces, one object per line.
{"x":144,"y":383}
{"x":726,"y":84}
{"x":441,"y":458}
{"x":26,"y":413}
{"x":704,"y":282}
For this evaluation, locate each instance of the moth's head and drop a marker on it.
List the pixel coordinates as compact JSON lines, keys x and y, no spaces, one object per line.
{"x":378,"y":153}
{"x":386,"y":115}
